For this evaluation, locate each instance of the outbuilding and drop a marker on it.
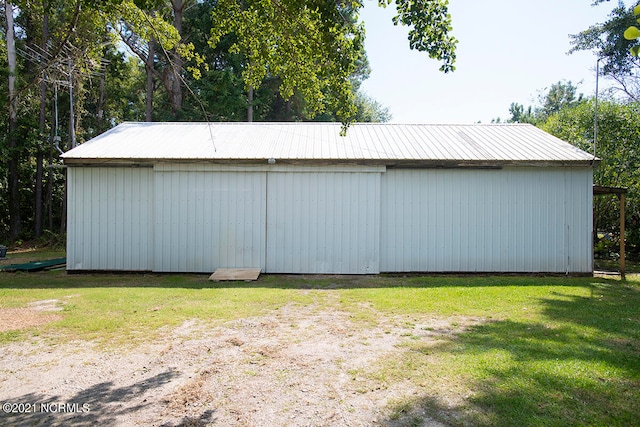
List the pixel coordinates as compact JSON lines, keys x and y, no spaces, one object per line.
{"x":301,"y":198}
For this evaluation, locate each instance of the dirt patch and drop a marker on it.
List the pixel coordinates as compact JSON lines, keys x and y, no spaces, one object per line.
{"x":295,"y":367}
{"x":36,"y":314}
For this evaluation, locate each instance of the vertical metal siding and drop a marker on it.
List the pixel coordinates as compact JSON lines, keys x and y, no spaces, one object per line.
{"x":330,"y":221}
{"x":510,"y":220}
{"x":323,"y":222}
{"x":579,"y":214}
{"x":109,"y":222}
{"x":206,"y":220}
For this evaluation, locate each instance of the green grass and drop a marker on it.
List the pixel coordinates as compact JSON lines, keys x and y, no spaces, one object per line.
{"x":522,"y":351}
{"x":117,"y":308}
{"x":631,"y":266}
{"x":550,"y":351}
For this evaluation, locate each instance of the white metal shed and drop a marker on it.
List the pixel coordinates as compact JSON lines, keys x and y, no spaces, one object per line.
{"x":300,"y":198}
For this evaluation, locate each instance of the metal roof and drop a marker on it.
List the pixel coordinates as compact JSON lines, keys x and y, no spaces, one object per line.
{"x":364,"y":143}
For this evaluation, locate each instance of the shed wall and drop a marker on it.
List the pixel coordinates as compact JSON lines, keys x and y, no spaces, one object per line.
{"x":579,"y":220}
{"x":206,"y":220}
{"x":506,"y":220}
{"x":282,"y":219}
{"x":358,"y":220}
{"x":109,"y":221}
{"x":323,"y":222}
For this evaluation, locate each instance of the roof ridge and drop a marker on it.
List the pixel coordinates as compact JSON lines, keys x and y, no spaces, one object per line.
{"x":333,"y":124}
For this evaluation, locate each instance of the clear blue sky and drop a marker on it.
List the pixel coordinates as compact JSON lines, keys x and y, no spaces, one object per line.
{"x":508,"y":51}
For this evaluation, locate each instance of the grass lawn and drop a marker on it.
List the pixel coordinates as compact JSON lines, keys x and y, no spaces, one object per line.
{"x":524,"y":350}
{"x":631,"y":266}
{"x":552,"y":351}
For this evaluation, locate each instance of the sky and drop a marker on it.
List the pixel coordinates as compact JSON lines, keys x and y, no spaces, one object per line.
{"x":508,"y":51}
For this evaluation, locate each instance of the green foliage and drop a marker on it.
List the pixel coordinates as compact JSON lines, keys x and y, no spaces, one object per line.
{"x":304,"y":61}
{"x":606,"y":246}
{"x":77,"y":40}
{"x":521,"y":115}
{"x":145,"y":25}
{"x":608,"y":43}
{"x":633,"y":33}
{"x":313,"y":48}
{"x":221,"y":93}
{"x":309,"y":47}
{"x":430,"y":27}
{"x":559,"y":96}
{"x":124,"y":97}
{"x":619,"y":151}
{"x":370,"y":110}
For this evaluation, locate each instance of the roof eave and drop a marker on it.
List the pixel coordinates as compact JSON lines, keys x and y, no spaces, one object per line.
{"x":392,"y":163}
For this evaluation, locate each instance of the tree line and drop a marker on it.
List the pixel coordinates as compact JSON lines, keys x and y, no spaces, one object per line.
{"x":75,"y":68}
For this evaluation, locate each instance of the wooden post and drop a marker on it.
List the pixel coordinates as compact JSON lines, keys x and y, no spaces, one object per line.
{"x":622,"y":205}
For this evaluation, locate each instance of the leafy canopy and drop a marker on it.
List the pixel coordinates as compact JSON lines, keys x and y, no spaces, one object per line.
{"x":314,"y":46}
{"x":633,"y":33}
{"x":611,"y":42}
{"x":552,"y":100}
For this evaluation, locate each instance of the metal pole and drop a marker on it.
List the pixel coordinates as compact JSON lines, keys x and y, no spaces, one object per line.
{"x":595,"y":114}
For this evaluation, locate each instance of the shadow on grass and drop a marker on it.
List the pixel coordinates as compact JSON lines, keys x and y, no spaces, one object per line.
{"x":577,"y":364}
{"x":98,"y":405}
{"x":631,"y":266}
{"x":61,"y":279}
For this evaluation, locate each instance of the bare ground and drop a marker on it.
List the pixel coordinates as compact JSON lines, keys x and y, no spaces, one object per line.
{"x":298,"y":366}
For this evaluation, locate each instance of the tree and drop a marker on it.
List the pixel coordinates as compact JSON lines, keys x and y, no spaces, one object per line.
{"x":56,"y":41}
{"x":13,"y":180}
{"x":618,"y":149}
{"x":221,"y":91}
{"x":298,"y":60}
{"x":370,"y":110}
{"x":552,"y":100}
{"x":606,"y":40}
{"x":154,"y":40}
{"x":560,"y":95}
{"x":313,"y":47}
{"x":520,"y":115}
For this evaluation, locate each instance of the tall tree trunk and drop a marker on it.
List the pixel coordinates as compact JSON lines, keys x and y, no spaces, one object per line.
{"x":170,"y":75}
{"x":50,"y":170}
{"x":72,"y":116}
{"x":14,"y":193}
{"x":37,"y":226}
{"x":150,"y":79}
{"x":174,"y":75}
{"x":250,"y":106}
{"x":101,"y":100}
{"x":37,"y":219}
